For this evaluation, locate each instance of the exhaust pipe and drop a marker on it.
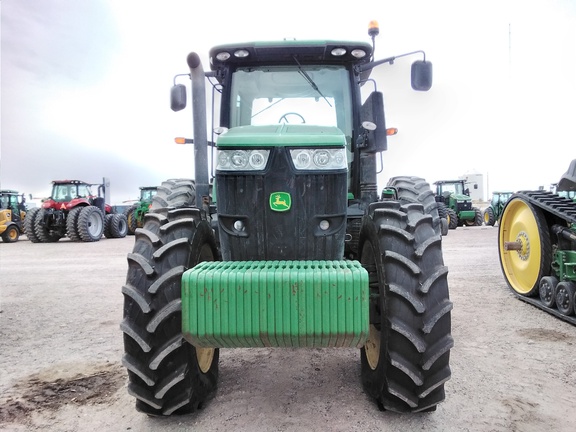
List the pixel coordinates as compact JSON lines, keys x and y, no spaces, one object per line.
{"x":200,"y":133}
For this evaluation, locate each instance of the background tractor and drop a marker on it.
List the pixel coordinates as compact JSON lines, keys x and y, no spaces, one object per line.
{"x":494,"y":210}
{"x":537,"y":247}
{"x":454,"y":201}
{"x":136,"y":212}
{"x":73,"y":210}
{"x":294,"y":248}
{"x":12,"y":214}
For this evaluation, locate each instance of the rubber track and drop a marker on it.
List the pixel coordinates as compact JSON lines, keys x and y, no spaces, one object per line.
{"x":550,"y":202}
{"x":561,"y":207}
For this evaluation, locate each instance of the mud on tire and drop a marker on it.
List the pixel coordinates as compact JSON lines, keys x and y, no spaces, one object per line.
{"x":166,"y":374}
{"x":405,"y":362}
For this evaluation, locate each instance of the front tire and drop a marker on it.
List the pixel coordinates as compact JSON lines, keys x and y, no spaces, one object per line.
{"x":166,"y":374}
{"x":405,"y":362}
{"x":11,"y":235}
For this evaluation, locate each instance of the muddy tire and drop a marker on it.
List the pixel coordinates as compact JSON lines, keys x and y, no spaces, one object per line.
{"x":90,"y":224}
{"x":405,"y":362}
{"x":72,"y":224}
{"x":166,"y":374}
{"x":29,"y":224}
{"x":413,"y":189}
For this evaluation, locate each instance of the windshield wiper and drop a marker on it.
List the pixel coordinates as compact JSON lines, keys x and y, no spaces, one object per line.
{"x":310,"y":81}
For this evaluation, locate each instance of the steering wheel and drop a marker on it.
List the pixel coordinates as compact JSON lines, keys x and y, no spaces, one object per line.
{"x":285,"y":117}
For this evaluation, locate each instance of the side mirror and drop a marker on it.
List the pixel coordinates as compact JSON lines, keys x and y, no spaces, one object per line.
{"x":178,"y":97}
{"x":374,"y":124}
{"x":421,"y":74}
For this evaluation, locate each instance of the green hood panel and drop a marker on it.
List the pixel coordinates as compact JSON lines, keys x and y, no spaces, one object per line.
{"x":299,"y":135}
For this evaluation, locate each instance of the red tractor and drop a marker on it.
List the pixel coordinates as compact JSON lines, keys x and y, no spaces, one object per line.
{"x":74,"y":211}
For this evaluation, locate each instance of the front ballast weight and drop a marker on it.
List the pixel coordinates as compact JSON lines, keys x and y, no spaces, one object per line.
{"x":238,"y":304}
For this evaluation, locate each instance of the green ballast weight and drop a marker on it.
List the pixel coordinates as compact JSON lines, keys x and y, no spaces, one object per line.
{"x":235,"y":304}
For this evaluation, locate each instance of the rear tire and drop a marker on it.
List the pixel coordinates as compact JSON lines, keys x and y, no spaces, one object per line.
{"x":405,"y":362}
{"x":72,"y":224}
{"x":413,"y":189}
{"x":43,"y":234}
{"x":489,"y":218}
{"x":118,"y":226}
{"x":130,"y":214}
{"x":90,"y":224}
{"x":30,"y":223}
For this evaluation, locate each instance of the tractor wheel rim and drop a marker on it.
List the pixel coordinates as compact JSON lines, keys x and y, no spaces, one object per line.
{"x":519,"y":226}
{"x":372,"y":347}
{"x":205,"y":356}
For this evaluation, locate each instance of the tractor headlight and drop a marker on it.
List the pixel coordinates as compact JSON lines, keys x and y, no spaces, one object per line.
{"x":319,"y":159}
{"x":242,"y":160}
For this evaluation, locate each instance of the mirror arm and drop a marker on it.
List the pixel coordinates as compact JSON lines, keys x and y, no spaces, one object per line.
{"x":390,"y":60}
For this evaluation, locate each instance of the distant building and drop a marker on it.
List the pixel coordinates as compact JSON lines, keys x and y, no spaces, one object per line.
{"x":475,"y":183}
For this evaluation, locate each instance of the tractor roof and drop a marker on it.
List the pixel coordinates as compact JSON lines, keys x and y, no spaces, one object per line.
{"x":8,"y":192}
{"x":70,"y":182}
{"x":288,"y":51}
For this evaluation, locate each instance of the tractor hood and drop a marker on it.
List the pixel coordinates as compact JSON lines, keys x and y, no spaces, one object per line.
{"x":298,"y":135}
{"x":461,"y":197}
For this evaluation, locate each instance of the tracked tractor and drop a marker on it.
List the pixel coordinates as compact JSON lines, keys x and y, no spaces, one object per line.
{"x":537,"y":247}
{"x":454,"y":201}
{"x":135,"y":213}
{"x":493,"y":212}
{"x":73,"y":210}
{"x":12,"y":214}
{"x":293,"y":248}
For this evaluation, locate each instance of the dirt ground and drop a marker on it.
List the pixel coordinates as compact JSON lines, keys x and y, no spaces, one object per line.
{"x":513,"y":366}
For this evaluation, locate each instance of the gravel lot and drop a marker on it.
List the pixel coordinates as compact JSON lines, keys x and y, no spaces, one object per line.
{"x":513,"y":366}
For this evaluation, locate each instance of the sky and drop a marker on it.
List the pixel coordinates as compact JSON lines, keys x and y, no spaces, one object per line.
{"x":85,"y":85}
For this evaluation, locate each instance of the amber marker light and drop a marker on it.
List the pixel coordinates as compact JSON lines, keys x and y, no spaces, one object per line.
{"x":182,"y":140}
{"x":391,"y":131}
{"x":373,"y":28}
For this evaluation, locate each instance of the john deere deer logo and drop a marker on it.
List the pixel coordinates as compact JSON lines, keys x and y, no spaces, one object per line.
{"x":280,"y":201}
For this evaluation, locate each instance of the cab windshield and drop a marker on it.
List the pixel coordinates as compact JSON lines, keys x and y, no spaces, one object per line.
{"x":317,"y":95}
{"x":67,"y":192}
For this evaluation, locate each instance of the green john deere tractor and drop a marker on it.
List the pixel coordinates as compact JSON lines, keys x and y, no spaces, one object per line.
{"x":136,"y":212}
{"x":454,"y":201}
{"x":294,"y":248}
{"x":493,"y":212}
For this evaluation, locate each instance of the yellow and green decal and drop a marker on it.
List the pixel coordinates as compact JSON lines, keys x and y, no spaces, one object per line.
{"x":280,"y":201}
